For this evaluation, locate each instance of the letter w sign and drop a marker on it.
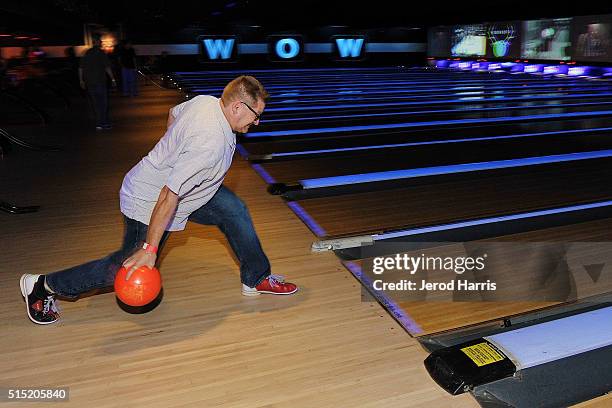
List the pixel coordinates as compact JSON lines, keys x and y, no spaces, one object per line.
{"x":348,"y":47}
{"x":218,"y":48}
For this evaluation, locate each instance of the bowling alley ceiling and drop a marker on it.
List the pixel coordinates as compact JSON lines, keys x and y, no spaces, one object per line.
{"x":159,"y":19}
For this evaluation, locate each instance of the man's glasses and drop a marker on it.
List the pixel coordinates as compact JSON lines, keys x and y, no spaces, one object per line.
{"x":257,"y":115}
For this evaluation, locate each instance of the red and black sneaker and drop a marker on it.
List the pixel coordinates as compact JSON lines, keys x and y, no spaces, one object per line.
{"x":40,"y":304}
{"x":273,"y":285}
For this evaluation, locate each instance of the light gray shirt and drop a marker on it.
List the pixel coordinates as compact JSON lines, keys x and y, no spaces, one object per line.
{"x":191,"y":158}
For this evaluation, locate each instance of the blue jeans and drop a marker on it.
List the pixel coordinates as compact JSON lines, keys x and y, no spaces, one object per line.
{"x":99,"y":99}
{"x":129,"y":82}
{"x":225,"y":210}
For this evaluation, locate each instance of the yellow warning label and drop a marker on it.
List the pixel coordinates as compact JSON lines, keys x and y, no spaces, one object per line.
{"x":482,"y":354}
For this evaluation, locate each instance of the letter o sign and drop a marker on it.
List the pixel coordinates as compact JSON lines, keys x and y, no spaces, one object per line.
{"x":287,"y":48}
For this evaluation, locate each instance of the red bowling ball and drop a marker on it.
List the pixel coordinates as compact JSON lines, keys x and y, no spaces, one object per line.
{"x":141,"y":289}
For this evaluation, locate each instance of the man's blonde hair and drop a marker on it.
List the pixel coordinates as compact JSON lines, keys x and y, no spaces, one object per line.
{"x":244,"y":87}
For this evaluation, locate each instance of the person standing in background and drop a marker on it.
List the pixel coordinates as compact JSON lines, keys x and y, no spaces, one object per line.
{"x":127,"y":60}
{"x":93,"y":69}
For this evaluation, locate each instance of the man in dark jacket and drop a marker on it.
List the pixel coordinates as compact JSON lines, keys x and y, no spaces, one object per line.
{"x":93,"y":69}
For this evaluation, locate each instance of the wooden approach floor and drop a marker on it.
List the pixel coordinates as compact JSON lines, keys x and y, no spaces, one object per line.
{"x":205,"y":345}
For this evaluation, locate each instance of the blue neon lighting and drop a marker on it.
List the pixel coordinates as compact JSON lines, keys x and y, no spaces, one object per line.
{"x":242,"y":151}
{"x":253,"y":48}
{"x":317,"y":48}
{"x":416,"y":86}
{"x":433,"y":142}
{"x":219,"y":48}
{"x":396,"y":47}
{"x":403,"y":93}
{"x":364,"y":79}
{"x":491,"y":220}
{"x":555,"y":69}
{"x":263,"y":174}
{"x":187,"y":73}
{"x":364,"y":98}
{"x":287,"y":48}
{"x":385,"y":89}
{"x":577,"y":71}
{"x":533,"y":68}
{"x":408,"y":125}
{"x":493,"y":109}
{"x":450,"y":169}
{"x":349,"y":47}
{"x":422,"y":102}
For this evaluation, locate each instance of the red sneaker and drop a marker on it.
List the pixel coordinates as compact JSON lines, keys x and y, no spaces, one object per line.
{"x":273,"y":285}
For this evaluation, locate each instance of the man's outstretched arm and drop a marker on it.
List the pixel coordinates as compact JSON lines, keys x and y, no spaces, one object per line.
{"x":160,"y":218}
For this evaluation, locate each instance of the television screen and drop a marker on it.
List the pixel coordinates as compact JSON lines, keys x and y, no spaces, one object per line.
{"x":469,"y":41}
{"x":503,"y":40}
{"x":546,"y":39}
{"x":592,"y":38}
{"x":438,"y":42}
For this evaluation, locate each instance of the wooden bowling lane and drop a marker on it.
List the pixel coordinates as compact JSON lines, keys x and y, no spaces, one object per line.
{"x":459,"y":123}
{"x":439,"y":313}
{"x":445,"y":200}
{"x":412,"y":157}
{"x":318,"y":145}
{"x":289,"y":110}
{"x":365,"y":98}
{"x":418,"y":86}
{"x":313,"y":79}
{"x":393,"y":85}
{"x":427,"y":113}
{"x":283,"y":81}
{"x":318,"y":77}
